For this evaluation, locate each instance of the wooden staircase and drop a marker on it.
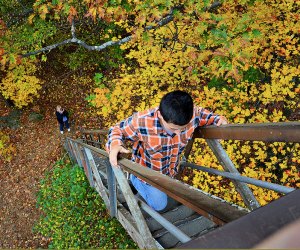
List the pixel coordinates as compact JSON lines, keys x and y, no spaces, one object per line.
{"x":182,"y":217}
{"x":193,"y":213}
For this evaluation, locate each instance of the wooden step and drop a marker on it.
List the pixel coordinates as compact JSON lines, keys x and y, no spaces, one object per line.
{"x":192,"y":226}
{"x":177,"y":214}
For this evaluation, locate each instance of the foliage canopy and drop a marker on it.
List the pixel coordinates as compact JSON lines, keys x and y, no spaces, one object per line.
{"x":174,"y":43}
{"x":238,"y":58}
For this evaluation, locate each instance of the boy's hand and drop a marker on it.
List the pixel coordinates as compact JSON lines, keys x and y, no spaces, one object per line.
{"x":222,"y":121}
{"x":113,"y":154}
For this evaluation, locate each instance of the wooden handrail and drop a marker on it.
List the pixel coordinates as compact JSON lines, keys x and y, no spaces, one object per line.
{"x":270,"y":132}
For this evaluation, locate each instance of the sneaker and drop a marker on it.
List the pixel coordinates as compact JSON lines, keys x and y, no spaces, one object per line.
{"x":69,"y":130}
{"x":61,"y":132}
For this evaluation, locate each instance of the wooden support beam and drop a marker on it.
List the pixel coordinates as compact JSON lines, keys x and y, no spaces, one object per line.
{"x":135,"y":210}
{"x":127,"y":221}
{"x":76,"y":153}
{"x":71,"y":148}
{"x":224,"y":160}
{"x":112,"y":190}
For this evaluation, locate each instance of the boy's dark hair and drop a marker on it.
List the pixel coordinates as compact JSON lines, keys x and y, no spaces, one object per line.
{"x":177,"y":107}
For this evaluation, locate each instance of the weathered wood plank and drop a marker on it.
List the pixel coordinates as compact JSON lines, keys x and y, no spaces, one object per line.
{"x":98,"y":181}
{"x":127,"y":221}
{"x":89,"y":161}
{"x":112,"y":190}
{"x":134,"y":209}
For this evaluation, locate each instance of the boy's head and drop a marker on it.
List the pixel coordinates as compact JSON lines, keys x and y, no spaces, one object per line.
{"x":177,"y":108}
{"x":59,"y":108}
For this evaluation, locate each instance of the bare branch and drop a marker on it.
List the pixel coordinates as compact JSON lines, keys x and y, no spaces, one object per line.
{"x":73,"y":29}
{"x":159,"y":24}
{"x":81,"y":43}
{"x":48,"y":48}
{"x":162,"y":22}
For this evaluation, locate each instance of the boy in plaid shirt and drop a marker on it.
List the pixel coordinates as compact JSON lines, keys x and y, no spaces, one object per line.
{"x":159,"y":136}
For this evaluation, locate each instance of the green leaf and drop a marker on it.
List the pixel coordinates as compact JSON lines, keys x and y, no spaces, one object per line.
{"x":256,"y":33}
{"x":90,"y":97}
{"x":206,"y":3}
{"x":202,"y":46}
{"x":44,"y":58}
{"x":253,"y":75}
{"x":246,"y":35}
{"x":98,"y":77}
{"x":67,"y":8}
{"x":108,"y":96}
{"x":195,"y":71}
{"x":216,"y":17}
{"x":12,"y":59}
{"x":217,"y":83}
{"x":145,"y":36}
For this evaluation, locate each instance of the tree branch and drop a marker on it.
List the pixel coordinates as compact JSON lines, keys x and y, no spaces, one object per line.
{"x":73,"y":29}
{"x":48,"y":48}
{"x":159,"y":24}
{"x":162,"y":22}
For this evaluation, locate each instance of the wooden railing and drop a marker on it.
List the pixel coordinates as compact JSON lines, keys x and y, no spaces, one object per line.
{"x":213,"y":208}
{"x":218,"y":211}
{"x":268,"y":132}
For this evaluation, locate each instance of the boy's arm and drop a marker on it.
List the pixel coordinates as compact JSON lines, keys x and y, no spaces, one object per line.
{"x":209,"y":118}
{"x":126,"y":129}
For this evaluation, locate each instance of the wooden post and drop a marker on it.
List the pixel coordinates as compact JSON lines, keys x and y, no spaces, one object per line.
{"x":83,"y":135}
{"x":127,"y":221}
{"x":149,"y":242}
{"x":89,"y":162}
{"x":228,"y":166}
{"x":67,"y":148}
{"x":99,"y":140}
{"x":76,"y":153}
{"x":188,"y":148}
{"x":112,"y":189}
{"x":83,"y":161}
{"x":71,"y":143}
{"x":99,"y":186}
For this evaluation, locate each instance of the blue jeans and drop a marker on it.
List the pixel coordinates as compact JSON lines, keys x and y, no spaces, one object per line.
{"x":61,"y":125}
{"x":155,"y":198}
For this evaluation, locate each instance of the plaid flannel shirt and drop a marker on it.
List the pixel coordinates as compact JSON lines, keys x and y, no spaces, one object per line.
{"x":153,"y":147}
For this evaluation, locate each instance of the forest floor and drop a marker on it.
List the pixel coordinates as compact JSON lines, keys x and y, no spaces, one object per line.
{"x":38,"y":146}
